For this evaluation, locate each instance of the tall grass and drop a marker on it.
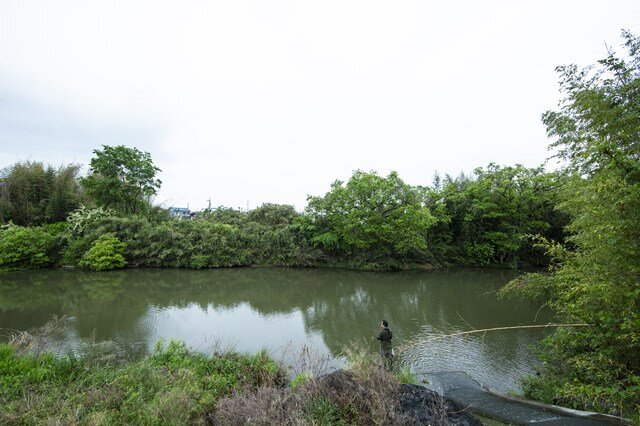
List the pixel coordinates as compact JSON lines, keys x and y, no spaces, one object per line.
{"x":363,"y":394}
{"x":172,"y":386}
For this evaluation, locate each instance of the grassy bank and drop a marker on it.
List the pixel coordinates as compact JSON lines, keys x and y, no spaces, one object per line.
{"x":174,"y":385}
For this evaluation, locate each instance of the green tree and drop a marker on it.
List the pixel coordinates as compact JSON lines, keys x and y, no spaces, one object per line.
{"x":122,"y":178}
{"x":371,"y":219}
{"x":597,"y":133}
{"x":486,"y":218}
{"x":506,"y":205}
{"x":33,"y":194}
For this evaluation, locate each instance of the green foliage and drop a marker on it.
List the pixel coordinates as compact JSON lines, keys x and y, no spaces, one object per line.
{"x":87,"y":225}
{"x":597,"y":131}
{"x":533,"y":287}
{"x":405,"y":376}
{"x":213,"y":240}
{"x":32,"y":194}
{"x":191,"y":244}
{"x":59,"y":233}
{"x":84,"y":219}
{"x":299,"y":380}
{"x":370,"y":219}
{"x":227,"y":215}
{"x":106,"y":253}
{"x":485,"y":219}
{"x":24,"y":248}
{"x":478,"y":253}
{"x":18,"y":373}
{"x":122,"y":178}
{"x":323,"y":411}
{"x":581,"y":371}
{"x":273,"y":215}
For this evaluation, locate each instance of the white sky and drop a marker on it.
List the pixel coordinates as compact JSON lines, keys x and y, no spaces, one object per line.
{"x":270,"y":101}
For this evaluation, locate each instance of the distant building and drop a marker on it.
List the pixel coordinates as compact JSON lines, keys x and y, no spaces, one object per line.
{"x":180,"y":212}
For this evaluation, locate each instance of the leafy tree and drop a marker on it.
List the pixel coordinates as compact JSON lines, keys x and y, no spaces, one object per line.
{"x":597,"y":132}
{"x":33,"y":194}
{"x":505,"y":205}
{"x":486,"y":218}
{"x":122,"y":178}
{"x":371,"y":218}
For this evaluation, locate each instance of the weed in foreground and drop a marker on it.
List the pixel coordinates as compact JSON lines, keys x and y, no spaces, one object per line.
{"x":364,"y":394}
{"x":172,"y":386}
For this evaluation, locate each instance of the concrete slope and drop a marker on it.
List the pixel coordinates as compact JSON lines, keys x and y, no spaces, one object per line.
{"x":464,"y":392}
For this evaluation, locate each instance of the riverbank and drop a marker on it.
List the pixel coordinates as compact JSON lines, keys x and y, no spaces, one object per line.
{"x":174,"y":385}
{"x":97,"y":386}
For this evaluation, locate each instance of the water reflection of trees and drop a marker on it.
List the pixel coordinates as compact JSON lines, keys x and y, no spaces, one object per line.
{"x":338,"y":305}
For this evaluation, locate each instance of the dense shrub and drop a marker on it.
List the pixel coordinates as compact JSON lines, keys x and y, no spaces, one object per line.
{"x":370,"y":222}
{"x":24,"y":248}
{"x":106,"y":253}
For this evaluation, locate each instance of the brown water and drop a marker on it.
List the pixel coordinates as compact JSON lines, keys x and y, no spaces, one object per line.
{"x":278,"y":308}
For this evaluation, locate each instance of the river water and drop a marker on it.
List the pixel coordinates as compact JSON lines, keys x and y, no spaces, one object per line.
{"x":293,"y":313}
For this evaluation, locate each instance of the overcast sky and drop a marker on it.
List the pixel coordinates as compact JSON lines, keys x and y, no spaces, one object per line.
{"x":270,"y":101}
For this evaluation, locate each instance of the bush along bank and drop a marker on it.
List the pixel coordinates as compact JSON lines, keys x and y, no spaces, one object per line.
{"x":370,"y":222}
{"x":174,"y":385}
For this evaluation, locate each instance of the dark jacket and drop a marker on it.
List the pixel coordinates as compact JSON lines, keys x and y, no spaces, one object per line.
{"x":385,"y":337}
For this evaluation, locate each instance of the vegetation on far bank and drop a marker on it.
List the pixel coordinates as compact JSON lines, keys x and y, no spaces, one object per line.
{"x":369,"y":222}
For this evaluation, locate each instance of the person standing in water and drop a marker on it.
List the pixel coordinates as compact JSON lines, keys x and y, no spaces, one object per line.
{"x":386,"y":351}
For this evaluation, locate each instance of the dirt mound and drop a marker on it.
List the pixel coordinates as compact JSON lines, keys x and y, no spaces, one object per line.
{"x":419,"y":405}
{"x":341,"y":397}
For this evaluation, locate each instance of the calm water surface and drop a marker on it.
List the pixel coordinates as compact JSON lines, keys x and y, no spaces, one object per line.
{"x":284,"y":310}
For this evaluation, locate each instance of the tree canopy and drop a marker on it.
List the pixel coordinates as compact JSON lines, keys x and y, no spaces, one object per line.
{"x":122,"y":178}
{"x":33,"y":194}
{"x":371,"y":216}
{"x":488,"y":217}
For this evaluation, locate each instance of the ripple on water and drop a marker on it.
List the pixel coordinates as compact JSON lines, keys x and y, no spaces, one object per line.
{"x":487,"y":359}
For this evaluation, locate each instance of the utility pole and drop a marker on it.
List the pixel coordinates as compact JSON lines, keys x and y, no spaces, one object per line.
{"x":209,"y":200}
